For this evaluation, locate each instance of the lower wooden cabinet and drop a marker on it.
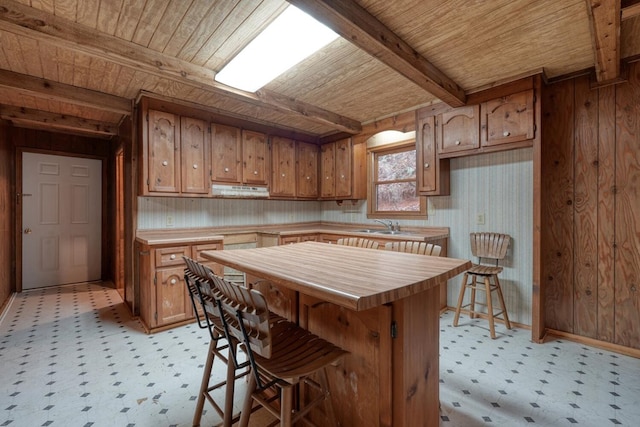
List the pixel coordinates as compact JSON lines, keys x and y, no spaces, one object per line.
{"x":164,"y":298}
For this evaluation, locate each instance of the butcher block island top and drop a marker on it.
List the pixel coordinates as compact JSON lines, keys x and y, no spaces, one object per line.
{"x":353,"y":278}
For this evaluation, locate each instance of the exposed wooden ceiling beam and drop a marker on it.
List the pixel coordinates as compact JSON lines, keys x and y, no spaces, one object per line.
{"x":630,"y":11}
{"x":604,"y":19}
{"x":30,"y":22}
{"x":357,"y":25}
{"x":54,"y":91}
{"x":41,"y":119}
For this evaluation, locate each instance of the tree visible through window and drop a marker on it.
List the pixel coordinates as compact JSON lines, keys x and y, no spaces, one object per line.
{"x":393,"y":187}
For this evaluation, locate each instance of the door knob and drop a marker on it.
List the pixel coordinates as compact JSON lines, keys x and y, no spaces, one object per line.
{"x":27,"y":231}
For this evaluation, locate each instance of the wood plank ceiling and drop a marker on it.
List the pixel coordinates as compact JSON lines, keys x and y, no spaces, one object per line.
{"x":78,"y":65}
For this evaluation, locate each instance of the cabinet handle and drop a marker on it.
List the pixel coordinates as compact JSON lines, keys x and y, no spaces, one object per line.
{"x":426,"y":165}
{"x":457,"y":142}
{"x":173,"y":256}
{"x":173,"y":281}
{"x":283,"y":175}
{"x":308,"y":178}
{"x":341,"y":176}
{"x":165,"y":163}
{"x":226,"y":169}
{"x":255,"y":172}
{"x":195,"y":166}
{"x":506,"y":133}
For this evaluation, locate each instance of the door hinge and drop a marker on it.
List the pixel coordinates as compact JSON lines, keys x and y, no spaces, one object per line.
{"x":147,"y":116}
{"x":155,"y":316}
{"x":394,"y":329}
{"x":155,"y":279}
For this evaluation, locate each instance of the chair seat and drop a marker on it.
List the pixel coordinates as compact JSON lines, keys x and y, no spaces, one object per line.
{"x":484,"y":270}
{"x":296,"y":352}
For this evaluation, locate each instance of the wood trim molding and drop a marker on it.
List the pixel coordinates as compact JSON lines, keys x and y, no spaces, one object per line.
{"x":30,"y":22}
{"x":356,"y":24}
{"x":37,"y":119}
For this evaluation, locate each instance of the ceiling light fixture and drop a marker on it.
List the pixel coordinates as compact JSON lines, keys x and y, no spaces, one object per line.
{"x":290,"y":38}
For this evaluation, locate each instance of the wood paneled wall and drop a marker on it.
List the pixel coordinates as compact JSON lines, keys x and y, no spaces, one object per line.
{"x":590,"y":240}
{"x":6,"y":216}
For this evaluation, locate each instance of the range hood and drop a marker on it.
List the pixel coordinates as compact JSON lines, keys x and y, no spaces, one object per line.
{"x":238,"y":191}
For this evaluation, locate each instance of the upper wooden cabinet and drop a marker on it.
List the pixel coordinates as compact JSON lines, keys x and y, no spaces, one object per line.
{"x":307,"y":170}
{"x":163,"y":152}
{"x":342,"y":170}
{"x":294,"y":169}
{"x":176,"y":155}
{"x":255,"y":158}
{"x":238,"y":156}
{"x":433,"y":173}
{"x":501,"y":123}
{"x":458,"y":130}
{"x":226,"y":154}
{"x":194,"y":152}
{"x":283,"y":167}
{"x":507,"y":120}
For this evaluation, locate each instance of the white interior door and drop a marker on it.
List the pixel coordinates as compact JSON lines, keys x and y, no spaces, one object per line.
{"x":61,"y":220}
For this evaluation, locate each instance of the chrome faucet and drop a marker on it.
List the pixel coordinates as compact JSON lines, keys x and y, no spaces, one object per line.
{"x":387,"y":223}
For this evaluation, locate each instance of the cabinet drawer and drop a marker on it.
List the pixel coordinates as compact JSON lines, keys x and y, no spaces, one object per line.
{"x":171,"y":256}
{"x":196,"y":250}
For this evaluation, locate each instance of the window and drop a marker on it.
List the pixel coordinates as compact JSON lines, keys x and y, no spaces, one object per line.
{"x":392,"y":184}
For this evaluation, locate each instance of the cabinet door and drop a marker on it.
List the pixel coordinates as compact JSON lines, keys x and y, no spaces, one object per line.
{"x":172,"y":301}
{"x":164,"y":152}
{"x":283,"y":166}
{"x":508,"y":119}
{"x":307,"y":170}
{"x":459,"y":130}
{"x":327,"y":170}
{"x":194,"y":152}
{"x":226,"y":154}
{"x":343,"y":167}
{"x":433,"y":173}
{"x":254,"y":158}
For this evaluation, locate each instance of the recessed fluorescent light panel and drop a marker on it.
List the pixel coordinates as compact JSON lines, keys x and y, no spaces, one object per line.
{"x":290,"y":38}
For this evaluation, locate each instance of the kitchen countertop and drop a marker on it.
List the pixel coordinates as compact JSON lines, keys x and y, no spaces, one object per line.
{"x":195,"y":235}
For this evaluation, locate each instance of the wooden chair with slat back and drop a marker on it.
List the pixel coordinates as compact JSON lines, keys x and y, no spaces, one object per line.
{"x":204,"y":308}
{"x":485,"y":246}
{"x":281,"y":355}
{"x":421,"y":248}
{"x":358,"y":242}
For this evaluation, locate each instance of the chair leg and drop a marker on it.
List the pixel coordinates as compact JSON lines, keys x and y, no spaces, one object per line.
{"x":286,"y":405}
{"x":197,"y":416}
{"x":492,"y":327}
{"x":472,"y":304}
{"x":248,"y":401}
{"x":229,"y":389}
{"x":505,"y":315}
{"x":328,"y":403}
{"x":460,"y":299}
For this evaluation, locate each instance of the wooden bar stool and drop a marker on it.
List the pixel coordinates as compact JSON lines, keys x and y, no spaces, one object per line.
{"x":195,"y":275}
{"x":281,"y":355}
{"x":358,"y":242}
{"x":485,"y":246}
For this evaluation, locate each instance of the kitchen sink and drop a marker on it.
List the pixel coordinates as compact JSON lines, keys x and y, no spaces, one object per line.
{"x":374,"y":231}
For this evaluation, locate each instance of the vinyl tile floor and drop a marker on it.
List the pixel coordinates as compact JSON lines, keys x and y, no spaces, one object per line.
{"x":73,"y":356}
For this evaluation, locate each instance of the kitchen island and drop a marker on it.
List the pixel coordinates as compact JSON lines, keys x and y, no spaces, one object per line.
{"x":381,"y":306}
